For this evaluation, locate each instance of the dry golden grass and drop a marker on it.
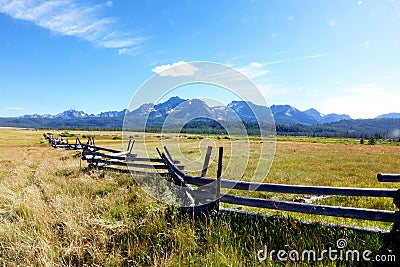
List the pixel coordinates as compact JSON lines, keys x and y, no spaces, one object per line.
{"x":54,"y":214}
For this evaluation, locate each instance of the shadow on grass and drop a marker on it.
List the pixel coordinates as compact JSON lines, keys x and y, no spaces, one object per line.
{"x":246,"y":234}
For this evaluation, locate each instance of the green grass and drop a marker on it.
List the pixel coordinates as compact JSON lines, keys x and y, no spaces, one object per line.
{"x":66,"y":134}
{"x":54,"y":214}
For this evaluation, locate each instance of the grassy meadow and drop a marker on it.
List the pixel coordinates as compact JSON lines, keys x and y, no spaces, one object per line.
{"x":52,"y":213}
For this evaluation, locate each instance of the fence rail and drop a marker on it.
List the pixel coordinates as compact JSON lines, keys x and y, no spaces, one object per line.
{"x":356,"y":213}
{"x":384,"y":177}
{"x":295,"y":189}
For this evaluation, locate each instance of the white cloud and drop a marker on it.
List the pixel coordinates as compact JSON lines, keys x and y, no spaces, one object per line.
{"x":332,"y":22}
{"x":365,"y":101}
{"x":366,"y":44}
{"x":309,"y":57}
{"x":256,"y":65}
{"x":365,"y":89}
{"x":253,"y":70}
{"x":132,"y":51}
{"x":13,"y":108}
{"x":270,"y":91}
{"x":274,"y":62}
{"x":109,"y":3}
{"x":283,"y":52}
{"x":176,"y":69}
{"x":70,"y":18}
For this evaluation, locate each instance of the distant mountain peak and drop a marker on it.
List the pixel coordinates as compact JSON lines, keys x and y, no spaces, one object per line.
{"x":72,"y":113}
{"x":112,"y":114}
{"x":313,"y":112}
{"x":325,"y":118}
{"x":391,"y":115}
{"x":287,"y":114}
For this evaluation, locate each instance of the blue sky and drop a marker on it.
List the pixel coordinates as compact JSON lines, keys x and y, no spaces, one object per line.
{"x":336,"y":56}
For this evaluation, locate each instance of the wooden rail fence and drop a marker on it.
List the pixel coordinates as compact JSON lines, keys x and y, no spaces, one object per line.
{"x":103,"y":158}
{"x":206,"y":195}
{"x":213,"y":186}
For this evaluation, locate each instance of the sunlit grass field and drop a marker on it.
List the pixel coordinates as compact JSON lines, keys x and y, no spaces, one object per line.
{"x":53,"y":213}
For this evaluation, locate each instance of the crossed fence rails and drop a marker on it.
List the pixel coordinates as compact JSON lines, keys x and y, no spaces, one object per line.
{"x":206,"y":195}
{"x":103,"y":158}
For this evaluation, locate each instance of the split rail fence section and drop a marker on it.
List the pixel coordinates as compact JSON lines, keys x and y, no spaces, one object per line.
{"x":103,"y":158}
{"x":206,"y":196}
{"x":347,"y":212}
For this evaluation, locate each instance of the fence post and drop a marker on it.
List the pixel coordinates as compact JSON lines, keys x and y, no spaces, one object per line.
{"x":206,"y":161}
{"x":396,"y":225}
{"x":130,"y":149}
{"x":129,"y":144}
{"x":219,"y":173}
{"x":382,"y":177}
{"x":80,"y":160}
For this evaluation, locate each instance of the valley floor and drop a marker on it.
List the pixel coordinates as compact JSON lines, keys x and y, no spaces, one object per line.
{"x":52,"y":213}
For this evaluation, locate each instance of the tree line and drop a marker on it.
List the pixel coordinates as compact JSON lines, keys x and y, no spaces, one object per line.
{"x":366,"y":129}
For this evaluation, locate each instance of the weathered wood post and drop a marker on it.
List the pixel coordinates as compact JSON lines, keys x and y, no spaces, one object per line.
{"x":129,"y":144}
{"x":395,"y":231}
{"x":219,"y":173}
{"x":80,"y":160}
{"x":130,"y":149}
{"x":206,"y":161}
{"x":396,"y":225}
{"x":393,"y":178}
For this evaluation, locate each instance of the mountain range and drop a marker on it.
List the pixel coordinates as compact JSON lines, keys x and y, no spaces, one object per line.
{"x":196,"y":115}
{"x":182,"y":109}
{"x":74,"y":114}
{"x":392,"y":115}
